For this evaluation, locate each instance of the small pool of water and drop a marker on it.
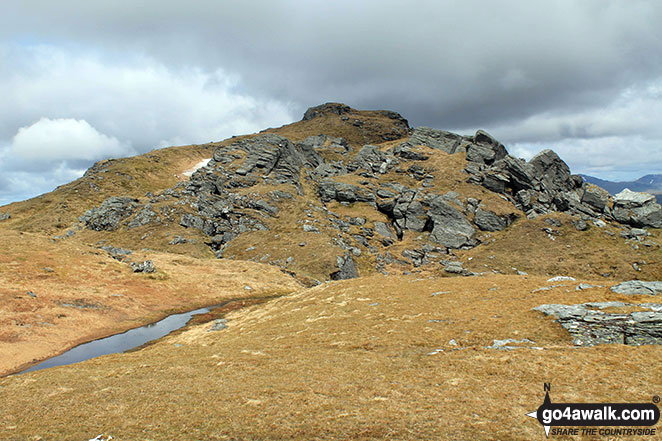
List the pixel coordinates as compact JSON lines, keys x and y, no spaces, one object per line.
{"x":120,"y":342}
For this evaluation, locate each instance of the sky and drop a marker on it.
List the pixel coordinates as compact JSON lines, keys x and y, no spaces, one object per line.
{"x":85,"y":81}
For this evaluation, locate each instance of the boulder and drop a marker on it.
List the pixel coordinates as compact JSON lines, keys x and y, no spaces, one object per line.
{"x":638,"y":287}
{"x":596,"y":197}
{"x":346,"y":268}
{"x":551,"y":171}
{"x":488,"y":221}
{"x":637,"y":209}
{"x":117,"y":253}
{"x":449,"y":227}
{"x":143,"y":267}
{"x":485,"y":149}
{"x":383,"y":229}
{"x":5,"y":216}
{"x":331,"y":190}
{"x":435,"y":139}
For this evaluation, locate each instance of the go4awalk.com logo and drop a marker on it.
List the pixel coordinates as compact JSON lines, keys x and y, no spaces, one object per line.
{"x":597,"y":419}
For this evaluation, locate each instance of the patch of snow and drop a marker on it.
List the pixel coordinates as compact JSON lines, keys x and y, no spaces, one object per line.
{"x":196,"y":167}
{"x":561,"y":279}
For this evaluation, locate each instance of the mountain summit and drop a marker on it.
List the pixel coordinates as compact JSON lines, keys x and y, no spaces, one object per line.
{"x":343,"y":192}
{"x":372,"y":278}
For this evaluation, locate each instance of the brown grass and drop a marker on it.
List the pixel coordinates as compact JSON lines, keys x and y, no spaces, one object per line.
{"x":347,"y":360}
{"x":114,"y":298}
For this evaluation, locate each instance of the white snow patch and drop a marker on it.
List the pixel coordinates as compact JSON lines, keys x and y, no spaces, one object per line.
{"x":197,"y":166}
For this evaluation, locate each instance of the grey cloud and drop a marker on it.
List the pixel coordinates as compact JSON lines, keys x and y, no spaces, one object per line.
{"x":450,"y":62}
{"x":566,"y":74}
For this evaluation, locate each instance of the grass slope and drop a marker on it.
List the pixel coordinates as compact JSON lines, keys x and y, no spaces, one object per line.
{"x":369,"y":358}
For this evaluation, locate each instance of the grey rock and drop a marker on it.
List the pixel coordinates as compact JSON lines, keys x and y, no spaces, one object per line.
{"x":453,"y":267}
{"x":384,"y":230}
{"x":180,"y":240}
{"x":637,"y":209}
{"x":218,"y":325}
{"x":406,"y":152}
{"x":108,"y":216}
{"x":4,"y":216}
{"x":417,"y":257}
{"x":485,"y":149}
{"x":117,"y":253}
{"x":507,"y":343}
{"x":357,"y":221}
{"x":331,"y":190}
{"x":561,"y":279}
{"x":580,"y":225}
{"x":435,"y":139}
{"x":145,"y":216}
{"x":346,"y":268}
{"x":278,"y":195}
{"x":265,"y":206}
{"x":328,"y":108}
{"x":553,"y":173}
{"x":596,"y":197}
{"x":553,"y":222}
{"x":310,"y":228}
{"x":449,"y":227}
{"x":489,"y":221}
{"x":192,"y":221}
{"x":589,"y":326}
{"x":638,"y":287}
{"x":143,"y":267}
{"x":599,"y":223}
{"x":630,"y":199}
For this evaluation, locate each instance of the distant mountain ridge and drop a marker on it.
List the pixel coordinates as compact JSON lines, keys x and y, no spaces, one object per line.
{"x":648,"y":183}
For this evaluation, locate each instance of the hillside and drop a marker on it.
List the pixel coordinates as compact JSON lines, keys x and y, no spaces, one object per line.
{"x":389,"y":282}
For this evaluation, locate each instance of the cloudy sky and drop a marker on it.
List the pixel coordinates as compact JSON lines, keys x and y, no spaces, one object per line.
{"x":83,"y":81}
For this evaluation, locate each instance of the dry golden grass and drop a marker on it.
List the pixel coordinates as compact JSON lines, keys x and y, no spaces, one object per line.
{"x":593,"y":253}
{"x":345,"y":360}
{"x":114,"y":297}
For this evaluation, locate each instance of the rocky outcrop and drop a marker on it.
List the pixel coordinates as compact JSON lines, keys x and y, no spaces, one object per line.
{"x":251,"y":183}
{"x":590,"y":325}
{"x":4,"y":216}
{"x":637,"y":209}
{"x":540,"y":186}
{"x":333,"y":108}
{"x":108,"y":216}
